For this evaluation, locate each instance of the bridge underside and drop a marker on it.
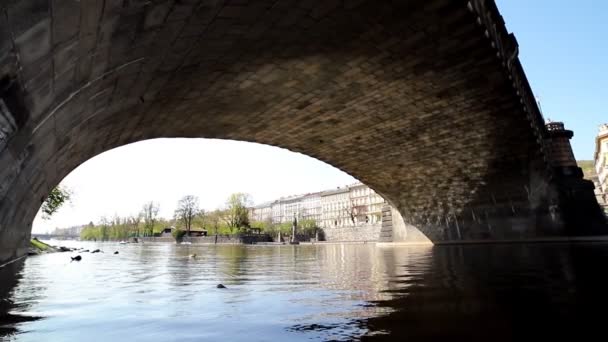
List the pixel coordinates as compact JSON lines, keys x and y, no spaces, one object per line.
{"x":421,"y":100}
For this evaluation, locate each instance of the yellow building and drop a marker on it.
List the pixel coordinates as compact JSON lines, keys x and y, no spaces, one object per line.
{"x":601,"y":163}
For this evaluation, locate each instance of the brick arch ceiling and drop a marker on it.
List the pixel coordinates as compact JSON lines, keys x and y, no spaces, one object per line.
{"x":407,"y":96}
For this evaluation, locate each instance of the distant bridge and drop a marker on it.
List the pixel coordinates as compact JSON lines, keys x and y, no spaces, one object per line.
{"x":55,"y":236}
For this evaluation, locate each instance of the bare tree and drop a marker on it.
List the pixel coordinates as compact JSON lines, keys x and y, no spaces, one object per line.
{"x":355,"y":212}
{"x":187,"y":210}
{"x":150,"y":215}
{"x":134,"y":221}
{"x":351,"y":211}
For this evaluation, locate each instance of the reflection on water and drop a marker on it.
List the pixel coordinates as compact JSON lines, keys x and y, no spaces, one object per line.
{"x":321,"y":292}
{"x":9,"y":277}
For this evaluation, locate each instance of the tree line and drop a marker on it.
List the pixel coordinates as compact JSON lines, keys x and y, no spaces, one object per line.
{"x":232,"y":219}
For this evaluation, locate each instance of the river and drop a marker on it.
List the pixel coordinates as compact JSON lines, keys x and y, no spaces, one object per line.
{"x":157,"y":292}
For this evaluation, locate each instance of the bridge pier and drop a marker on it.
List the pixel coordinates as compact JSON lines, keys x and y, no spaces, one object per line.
{"x":550,"y":199}
{"x":578,"y":207}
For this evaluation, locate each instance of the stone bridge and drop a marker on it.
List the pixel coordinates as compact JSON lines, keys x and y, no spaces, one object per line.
{"x":423,"y":100}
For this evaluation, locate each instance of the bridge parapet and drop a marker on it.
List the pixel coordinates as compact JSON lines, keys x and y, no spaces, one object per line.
{"x":507,"y":50}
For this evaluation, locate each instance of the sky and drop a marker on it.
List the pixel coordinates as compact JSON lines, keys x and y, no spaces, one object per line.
{"x":120,"y":181}
{"x":562,"y":46}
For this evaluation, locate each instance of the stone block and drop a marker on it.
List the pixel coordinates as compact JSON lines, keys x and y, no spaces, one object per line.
{"x":66,"y":23}
{"x":24,"y":14}
{"x":39,"y":100}
{"x":34,"y":43}
{"x":65,"y":56}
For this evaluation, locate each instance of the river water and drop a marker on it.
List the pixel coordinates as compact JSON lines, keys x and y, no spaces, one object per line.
{"x":156,"y":292}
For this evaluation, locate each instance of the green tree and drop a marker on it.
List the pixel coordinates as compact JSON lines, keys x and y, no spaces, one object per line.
{"x":187,"y":210}
{"x":212,"y":220}
{"x":104,"y":227}
{"x":236,"y":214}
{"x":55,"y":200}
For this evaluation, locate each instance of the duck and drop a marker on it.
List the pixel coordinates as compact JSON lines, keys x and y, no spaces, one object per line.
{"x":221,"y":286}
{"x":116,"y":252}
{"x":77,"y":258}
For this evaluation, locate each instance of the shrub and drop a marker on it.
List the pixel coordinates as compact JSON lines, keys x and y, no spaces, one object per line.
{"x":178,"y":234}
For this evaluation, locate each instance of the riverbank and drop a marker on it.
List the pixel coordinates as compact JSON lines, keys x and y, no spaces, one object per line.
{"x":38,"y":247}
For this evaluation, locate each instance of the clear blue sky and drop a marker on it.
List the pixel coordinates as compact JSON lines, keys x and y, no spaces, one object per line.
{"x":563,"y":46}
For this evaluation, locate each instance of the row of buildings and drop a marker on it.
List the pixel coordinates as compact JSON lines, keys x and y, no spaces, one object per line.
{"x":351,"y":205}
{"x":601,"y":166}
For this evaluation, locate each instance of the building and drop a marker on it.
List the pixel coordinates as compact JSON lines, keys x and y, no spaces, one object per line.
{"x":601,"y":165}
{"x":351,"y":205}
{"x":310,"y":207}
{"x":334,"y":208}
{"x":71,"y":231}
{"x":262,"y":212}
{"x":304,"y":207}
{"x":367,"y":204}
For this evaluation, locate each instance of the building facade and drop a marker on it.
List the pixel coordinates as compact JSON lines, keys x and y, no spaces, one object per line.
{"x":347,"y":206}
{"x":601,"y":166}
{"x":261,"y":213}
{"x":334,"y":208}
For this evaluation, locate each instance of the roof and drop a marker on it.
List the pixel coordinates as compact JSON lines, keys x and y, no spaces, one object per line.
{"x":192,"y":229}
{"x":335,"y":191}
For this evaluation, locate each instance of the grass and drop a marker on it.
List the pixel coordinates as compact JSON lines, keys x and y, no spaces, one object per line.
{"x":39,"y":245}
{"x":588,"y":167}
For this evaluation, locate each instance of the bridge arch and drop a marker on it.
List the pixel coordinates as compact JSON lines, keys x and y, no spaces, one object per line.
{"x":424,"y":101}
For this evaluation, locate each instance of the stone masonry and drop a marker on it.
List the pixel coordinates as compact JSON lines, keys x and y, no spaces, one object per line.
{"x":357,"y":233}
{"x":425,"y":101}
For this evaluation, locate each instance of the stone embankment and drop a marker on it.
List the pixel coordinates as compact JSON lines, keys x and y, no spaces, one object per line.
{"x":220,"y":239}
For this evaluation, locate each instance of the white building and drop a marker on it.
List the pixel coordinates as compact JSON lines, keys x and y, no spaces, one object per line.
{"x":346,"y":206}
{"x":601,"y":163}
{"x":367,"y":204}
{"x":310,"y":207}
{"x":334,"y":205}
{"x":352,"y":205}
{"x":262,"y":212}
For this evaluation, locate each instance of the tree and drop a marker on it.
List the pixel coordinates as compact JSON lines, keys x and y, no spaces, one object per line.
{"x":178,"y":234}
{"x":237,"y":212}
{"x":55,"y":200}
{"x":103,"y":228}
{"x":355,"y":212}
{"x":187,"y":210}
{"x":213,"y":220}
{"x":150,"y":213}
{"x":134,"y":223}
{"x":351,"y":212}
